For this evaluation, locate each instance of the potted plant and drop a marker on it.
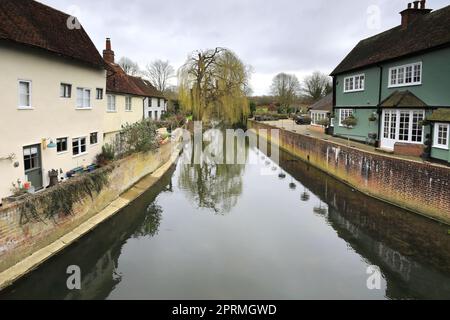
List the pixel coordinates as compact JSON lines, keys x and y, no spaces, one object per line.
{"x":325,"y":123}
{"x":373,"y":117}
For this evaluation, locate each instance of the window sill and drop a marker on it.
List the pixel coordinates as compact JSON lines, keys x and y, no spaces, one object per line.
{"x":353,"y":91}
{"x":111,"y":111}
{"x":404,"y":85}
{"x":441,"y":147}
{"x":128,"y":110}
{"x":25,"y":108}
{"x":80,"y":108}
{"x":62,"y":152}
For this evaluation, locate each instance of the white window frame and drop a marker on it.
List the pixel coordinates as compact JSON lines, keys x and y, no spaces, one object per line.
{"x":128,"y":103}
{"x":349,"y":112}
{"x":84,"y":106}
{"x":397,"y":126}
{"x":79,"y":146}
{"x":436,"y":143}
{"x":355,"y":84}
{"x":396,"y":69}
{"x":30,"y":84}
{"x":111,"y":105}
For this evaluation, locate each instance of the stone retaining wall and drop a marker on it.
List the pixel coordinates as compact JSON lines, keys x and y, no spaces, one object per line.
{"x":19,"y":241}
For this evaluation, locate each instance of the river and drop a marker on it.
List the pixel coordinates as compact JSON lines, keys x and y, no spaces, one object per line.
{"x":228,"y":232}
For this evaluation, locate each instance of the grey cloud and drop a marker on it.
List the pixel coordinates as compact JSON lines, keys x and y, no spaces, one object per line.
{"x":272,"y":36}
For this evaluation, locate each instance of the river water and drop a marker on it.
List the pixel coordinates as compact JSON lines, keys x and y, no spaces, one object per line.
{"x":229,"y":232}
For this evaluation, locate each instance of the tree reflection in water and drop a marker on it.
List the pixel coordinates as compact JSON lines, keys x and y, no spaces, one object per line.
{"x":212,"y":186}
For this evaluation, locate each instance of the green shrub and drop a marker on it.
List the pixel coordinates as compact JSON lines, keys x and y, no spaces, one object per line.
{"x":138,"y":137}
{"x":107,"y":155}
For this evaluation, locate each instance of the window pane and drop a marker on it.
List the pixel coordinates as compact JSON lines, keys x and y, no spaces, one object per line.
{"x":417,"y":73}
{"x":408,"y":77}
{"x":24,"y":94}
{"x":394,"y":76}
{"x":417,"y":128}
{"x":401,"y":75}
{"x":404,"y":126}
{"x":79,"y":97}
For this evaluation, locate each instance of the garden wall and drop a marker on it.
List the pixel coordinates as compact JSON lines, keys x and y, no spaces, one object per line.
{"x":20,"y":240}
{"x":420,"y":187}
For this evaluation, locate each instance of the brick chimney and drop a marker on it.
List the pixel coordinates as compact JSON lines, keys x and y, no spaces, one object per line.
{"x":415,"y":10}
{"x":108,"y":54}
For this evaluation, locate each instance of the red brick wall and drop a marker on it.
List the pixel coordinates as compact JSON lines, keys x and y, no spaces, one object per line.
{"x":420,"y":187}
{"x":408,"y":149}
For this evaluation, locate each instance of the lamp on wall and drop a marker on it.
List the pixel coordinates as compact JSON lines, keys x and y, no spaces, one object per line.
{"x":51,"y":145}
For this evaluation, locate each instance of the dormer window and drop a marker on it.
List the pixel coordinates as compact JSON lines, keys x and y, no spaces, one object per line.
{"x":406,"y":75}
{"x":354,"y":83}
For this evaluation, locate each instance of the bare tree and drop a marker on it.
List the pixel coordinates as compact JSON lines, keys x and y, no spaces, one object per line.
{"x":317,"y":86}
{"x":159,"y":73}
{"x":286,"y":88}
{"x":129,"y":66}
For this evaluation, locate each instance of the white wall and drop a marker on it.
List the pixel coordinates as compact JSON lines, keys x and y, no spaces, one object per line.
{"x":154,"y":109}
{"x":113,"y":121}
{"x":51,"y":117}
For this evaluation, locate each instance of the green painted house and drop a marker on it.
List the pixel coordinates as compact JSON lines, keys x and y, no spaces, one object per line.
{"x":397,"y":86}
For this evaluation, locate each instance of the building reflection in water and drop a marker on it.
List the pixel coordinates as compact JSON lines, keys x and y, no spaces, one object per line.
{"x":412,"y":252}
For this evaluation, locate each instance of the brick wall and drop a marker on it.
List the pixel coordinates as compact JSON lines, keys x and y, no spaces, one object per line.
{"x":18,"y":241}
{"x":420,"y":187}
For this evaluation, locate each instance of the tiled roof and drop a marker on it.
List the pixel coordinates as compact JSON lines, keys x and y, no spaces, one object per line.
{"x":33,"y":24}
{"x":427,"y":32}
{"x":403,"y":99}
{"x":440,"y":115}
{"x":324,"y":104}
{"x":147,"y":88}
{"x":119,"y":82}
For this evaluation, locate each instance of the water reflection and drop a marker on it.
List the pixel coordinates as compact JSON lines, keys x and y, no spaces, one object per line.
{"x":413,"y":253}
{"x":97,"y":254}
{"x":212,"y":186}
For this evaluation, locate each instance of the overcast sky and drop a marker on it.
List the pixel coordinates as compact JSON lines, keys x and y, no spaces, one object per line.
{"x":293,"y":36}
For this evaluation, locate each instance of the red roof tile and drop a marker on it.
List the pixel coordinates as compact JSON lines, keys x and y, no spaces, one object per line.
{"x":34,"y":24}
{"x":119,"y":82}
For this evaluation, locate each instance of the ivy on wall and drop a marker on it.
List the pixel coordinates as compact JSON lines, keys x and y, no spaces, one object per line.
{"x":60,"y":199}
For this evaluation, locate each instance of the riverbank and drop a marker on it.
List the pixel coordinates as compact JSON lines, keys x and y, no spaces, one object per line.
{"x":25,"y":247}
{"x":421,"y":188}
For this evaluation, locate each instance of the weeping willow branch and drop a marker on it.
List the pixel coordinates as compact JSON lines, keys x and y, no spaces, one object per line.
{"x":213,"y":84}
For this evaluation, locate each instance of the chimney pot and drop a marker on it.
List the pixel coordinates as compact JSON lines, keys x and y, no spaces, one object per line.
{"x":108,"y":54}
{"x":422,"y":4}
{"x":414,"y":12}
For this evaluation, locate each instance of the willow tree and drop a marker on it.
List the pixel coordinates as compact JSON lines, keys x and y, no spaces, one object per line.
{"x":213,"y":85}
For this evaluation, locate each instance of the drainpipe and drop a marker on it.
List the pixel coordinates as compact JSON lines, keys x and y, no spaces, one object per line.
{"x":334,"y":102}
{"x":379,"y":111}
